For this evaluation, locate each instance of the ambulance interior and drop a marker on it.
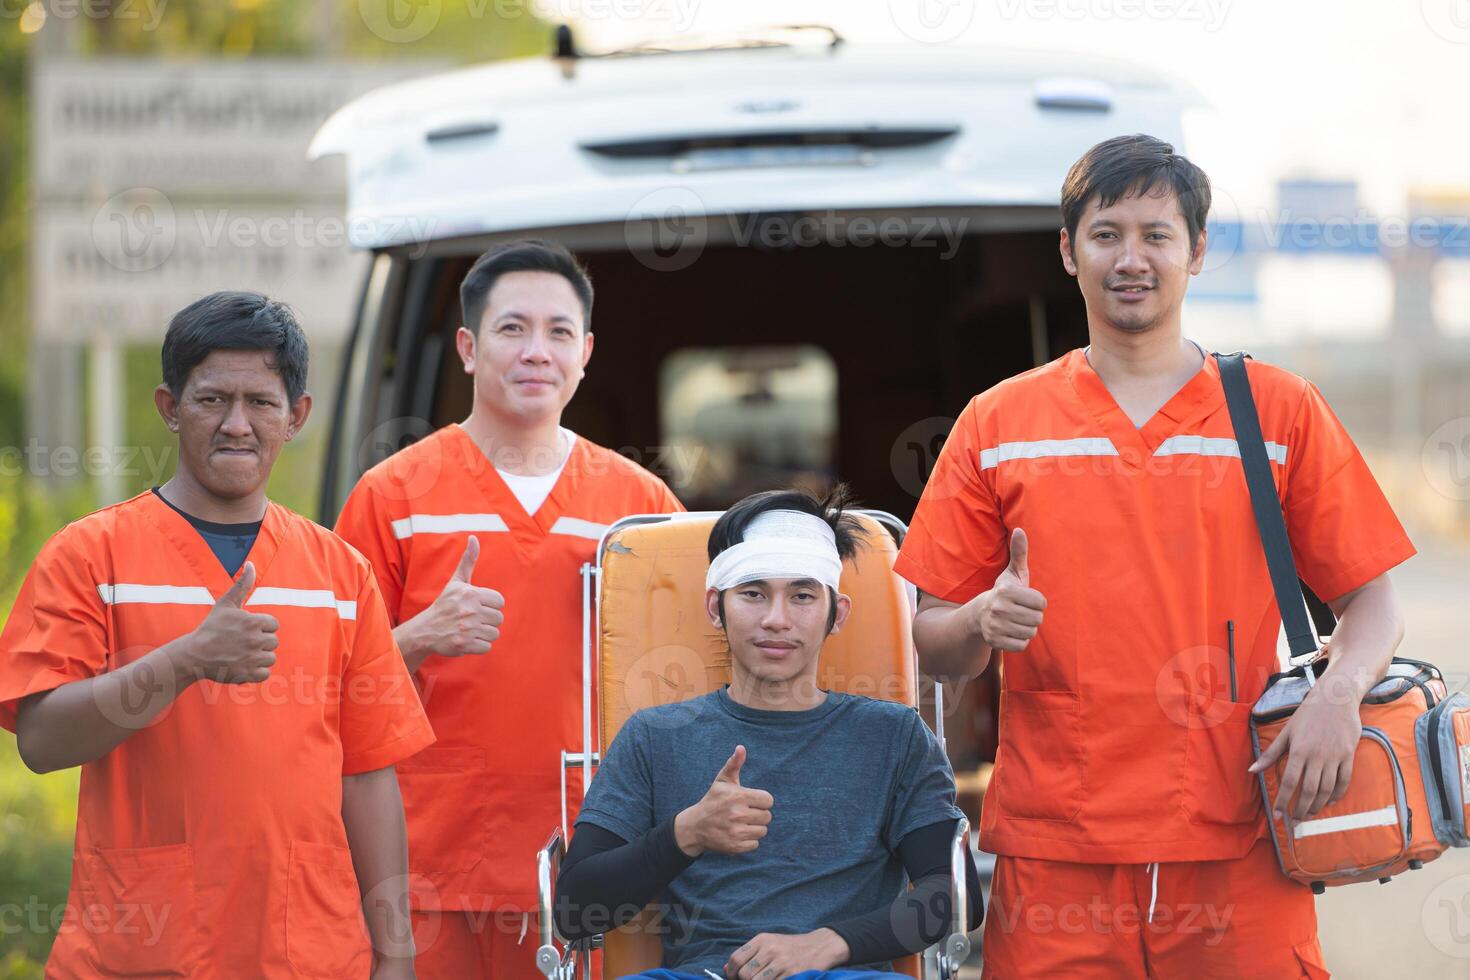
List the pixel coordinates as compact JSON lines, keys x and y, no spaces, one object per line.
{"x":752,"y":368}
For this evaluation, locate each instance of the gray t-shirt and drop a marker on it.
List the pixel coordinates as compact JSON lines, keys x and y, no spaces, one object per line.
{"x":850,"y":779}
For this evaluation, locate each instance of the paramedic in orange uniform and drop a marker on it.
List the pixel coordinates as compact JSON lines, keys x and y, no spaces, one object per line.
{"x":477,"y":534}
{"x":238,"y":809}
{"x":1090,"y":519}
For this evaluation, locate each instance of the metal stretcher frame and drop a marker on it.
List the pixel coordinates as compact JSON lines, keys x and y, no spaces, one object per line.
{"x":941,"y":962}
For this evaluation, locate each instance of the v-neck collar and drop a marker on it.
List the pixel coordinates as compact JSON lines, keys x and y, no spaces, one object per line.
{"x":177,"y":530}
{"x":1198,"y":396}
{"x":527,"y":529}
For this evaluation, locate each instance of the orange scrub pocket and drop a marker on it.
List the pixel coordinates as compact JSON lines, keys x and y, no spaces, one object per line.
{"x":138,"y":905}
{"x":325,"y":934}
{"x":444,"y":800}
{"x":1039,"y":772}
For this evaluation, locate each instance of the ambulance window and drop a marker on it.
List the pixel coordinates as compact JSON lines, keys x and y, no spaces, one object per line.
{"x":740,"y":419}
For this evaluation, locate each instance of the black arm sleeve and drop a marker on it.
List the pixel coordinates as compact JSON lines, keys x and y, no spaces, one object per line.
{"x":605,"y":880}
{"x":919,"y":918}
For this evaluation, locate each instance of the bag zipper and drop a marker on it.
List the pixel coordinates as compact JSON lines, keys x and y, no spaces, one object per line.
{"x":1435,"y":756}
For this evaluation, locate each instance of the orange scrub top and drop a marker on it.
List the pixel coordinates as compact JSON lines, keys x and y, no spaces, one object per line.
{"x":1119,"y":740}
{"x":210,"y":844}
{"x":484,"y":799}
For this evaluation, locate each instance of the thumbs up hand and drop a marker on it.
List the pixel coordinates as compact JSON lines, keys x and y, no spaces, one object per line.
{"x":1009,"y":615}
{"x":730,"y":819}
{"x":233,"y":646}
{"x":466,"y":618}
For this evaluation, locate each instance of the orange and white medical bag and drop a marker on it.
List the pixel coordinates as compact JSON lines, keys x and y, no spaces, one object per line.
{"x":1409,"y":797}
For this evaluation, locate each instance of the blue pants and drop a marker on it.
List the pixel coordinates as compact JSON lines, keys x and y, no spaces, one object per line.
{"x":662,"y":974}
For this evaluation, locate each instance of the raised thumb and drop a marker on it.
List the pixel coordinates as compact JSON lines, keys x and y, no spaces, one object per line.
{"x":466,"y":568}
{"x":730,"y":771}
{"x":1018,"y":564}
{"x":236,"y":594}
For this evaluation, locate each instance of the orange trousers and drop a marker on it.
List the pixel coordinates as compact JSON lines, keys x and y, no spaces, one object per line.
{"x":470,"y":945}
{"x":1233,"y":920}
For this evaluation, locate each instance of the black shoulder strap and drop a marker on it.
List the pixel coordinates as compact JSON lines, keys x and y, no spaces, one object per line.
{"x":1289,"y":589}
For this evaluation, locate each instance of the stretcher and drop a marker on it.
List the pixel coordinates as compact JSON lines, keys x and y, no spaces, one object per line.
{"x":647,"y":640}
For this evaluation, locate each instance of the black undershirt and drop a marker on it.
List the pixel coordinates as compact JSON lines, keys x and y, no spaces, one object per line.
{"x":602,"y":871}
{"x":231,"y":543}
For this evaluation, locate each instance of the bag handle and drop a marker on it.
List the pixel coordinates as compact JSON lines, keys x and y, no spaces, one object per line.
{"x":1290,"y":590}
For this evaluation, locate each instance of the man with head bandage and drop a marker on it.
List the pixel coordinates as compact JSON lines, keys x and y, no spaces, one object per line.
{"x":773,"y":821}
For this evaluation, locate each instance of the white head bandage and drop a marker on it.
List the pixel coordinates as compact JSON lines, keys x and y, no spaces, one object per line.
{"x":779,"y":544}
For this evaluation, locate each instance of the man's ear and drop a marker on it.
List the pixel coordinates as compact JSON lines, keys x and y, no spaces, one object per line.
{"x":844,"y":609}
{"x":712,"y":606}
{"x":1069,"y":258}
{"x":168,"y":407}
{"x":464,"y":342}
{"x":1197,"y":260}
{"x":299,"y":412}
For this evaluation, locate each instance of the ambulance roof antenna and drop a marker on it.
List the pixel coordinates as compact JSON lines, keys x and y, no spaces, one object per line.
{"x":564,"y":52}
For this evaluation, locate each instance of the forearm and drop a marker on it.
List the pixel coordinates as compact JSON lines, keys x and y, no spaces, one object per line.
{"x":409,"y":635}
{"x":606,"y":885}
{"x":1368,"y":632}
{"x":949,"y":643}
{"x":83,"y":720}
{"x":920,"y":917}
{"x":372,"y":813}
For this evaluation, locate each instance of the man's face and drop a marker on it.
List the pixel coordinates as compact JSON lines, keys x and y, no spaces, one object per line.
{"x":232,"y":418}
{"x":1133,"y":260}
{"x":776,"y":627}
{"x":531,"y":348}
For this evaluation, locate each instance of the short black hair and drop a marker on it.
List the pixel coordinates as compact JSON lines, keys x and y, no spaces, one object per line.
{"x":524,"y":255}
{"x":235,"y":320}
{"x":833,"y":507}
{"x":1125,"y":166}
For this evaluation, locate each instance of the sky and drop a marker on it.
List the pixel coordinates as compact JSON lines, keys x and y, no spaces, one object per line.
{"x":1372,"y":90}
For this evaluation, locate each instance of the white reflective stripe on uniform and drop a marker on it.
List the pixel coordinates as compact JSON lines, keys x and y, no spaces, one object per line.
{"x":171,"y":595}
{"x":1094,"y":446}
{"x":310,"y":598}
{"x":579,"y":527}
{"x":1386,"y":817}
{"x":1205,"y":446}
{"x":446,"y":524}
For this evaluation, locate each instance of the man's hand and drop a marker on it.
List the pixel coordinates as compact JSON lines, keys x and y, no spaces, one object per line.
{"x":232,"y":646}
{"x":465,"y":619}
{"x":393,"y":970}
{"x":730,"y":819}
{"x":772,"y":956}
{"x":1009,"y":615}
{"x":1319,"y":743}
